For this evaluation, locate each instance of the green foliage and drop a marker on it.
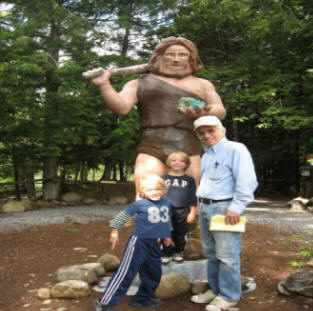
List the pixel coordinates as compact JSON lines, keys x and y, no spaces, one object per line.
{"x":305,"y":249}
{"x":258,"y":54}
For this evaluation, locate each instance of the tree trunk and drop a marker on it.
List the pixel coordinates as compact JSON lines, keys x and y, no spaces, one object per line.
{"x":16,"y":179}
{"x":30,"y":182}
{"x":114,"y":173}
{"x":83,"y":171}
{"x":107,"y":171}
{"x":122,"y":171}
{"x":51,"y":185}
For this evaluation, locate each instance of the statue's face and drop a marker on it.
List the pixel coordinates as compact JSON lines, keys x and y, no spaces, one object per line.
{"x":175,"y":62}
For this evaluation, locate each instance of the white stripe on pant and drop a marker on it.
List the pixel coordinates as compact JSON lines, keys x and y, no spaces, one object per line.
{"x":121,"y":272}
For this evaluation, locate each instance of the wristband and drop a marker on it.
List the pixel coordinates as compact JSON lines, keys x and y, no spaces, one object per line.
{"x":114,"y":235}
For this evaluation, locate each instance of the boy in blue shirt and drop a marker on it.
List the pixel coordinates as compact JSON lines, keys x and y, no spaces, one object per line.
{"x":142,"y":253}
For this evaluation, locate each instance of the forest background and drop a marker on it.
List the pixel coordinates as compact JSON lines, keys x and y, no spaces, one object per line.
{"x":55,"y":127}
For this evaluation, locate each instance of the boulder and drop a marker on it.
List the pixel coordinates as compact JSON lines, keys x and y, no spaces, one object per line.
{"x":43,"y":204}
{"x":94,"y":266}
{"x":17,"y":206}
{"x":70,"y":289}
{"x":172,"y":285}
{"x":43,"y":293}
{"x":298,"y":204}
{"x":109,"y":262}
{"x":71,"y":197}
{"x":76,"y":272}
{"x":300,"y":282}
{"x":119,"y":200}
{"x":199,"y":287}
{"x":193,"y":250}
{"x":89,"y":201}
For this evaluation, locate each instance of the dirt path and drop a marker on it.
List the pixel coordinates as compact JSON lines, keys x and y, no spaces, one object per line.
{"x":30,"y":257}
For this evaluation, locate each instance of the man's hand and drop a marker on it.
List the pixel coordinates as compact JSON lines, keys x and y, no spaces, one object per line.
{"x":231,"y":217}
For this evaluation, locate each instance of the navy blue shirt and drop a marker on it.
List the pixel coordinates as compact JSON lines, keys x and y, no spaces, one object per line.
{"x":152,"y":218}
{"x":181,"y":190}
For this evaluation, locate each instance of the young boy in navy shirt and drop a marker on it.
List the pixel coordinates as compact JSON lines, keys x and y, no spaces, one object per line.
{"x":181,"y":191}
{"x":142,"y":253}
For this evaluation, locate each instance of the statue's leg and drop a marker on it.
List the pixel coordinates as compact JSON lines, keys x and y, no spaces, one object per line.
{"x":194,"y":168}
{"x":146,"y":164}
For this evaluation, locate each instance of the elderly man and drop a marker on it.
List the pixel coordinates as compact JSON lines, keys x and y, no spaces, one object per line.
{"x":227,"y":184}
{"x":164,"y":129}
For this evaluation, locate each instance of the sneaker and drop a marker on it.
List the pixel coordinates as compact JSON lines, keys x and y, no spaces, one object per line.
{"x":204,"y":297}
{"x":220,"y":304}
{"x":178,"y":257}
{"x":153,"y":302}
{"x":166,"y":260}
{"x":100,"y":307}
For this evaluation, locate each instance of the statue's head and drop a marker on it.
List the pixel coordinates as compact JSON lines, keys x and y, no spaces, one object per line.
{"x":175,"y":57}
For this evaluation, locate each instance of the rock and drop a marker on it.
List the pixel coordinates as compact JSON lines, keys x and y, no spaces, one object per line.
{"x":76,"y":272}
{"x":109,"y":262}
{"x":76,"y":219}
{"x":96,"y":267}
{"x":282,"y":289}
{"x":199,"y":287}
{"x":298,"y":204}
{"x":43,"y":293}
{"x":172,"y":285}
{"x":193,"y":250}
{"x":120,"y":200}
{"x":70,"y":289}
{"x":300,"y":282}
{"x":89,"y":201}
{"x":71,"y":197}
{"x":28,"y":204}
{"x":15,"y":207}
{"x":43,"y":204}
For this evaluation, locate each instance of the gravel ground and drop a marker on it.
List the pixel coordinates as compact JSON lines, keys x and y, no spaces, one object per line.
{"x":56,"y":215}
{"x":279,"y":215}
{"x":261,"y":211}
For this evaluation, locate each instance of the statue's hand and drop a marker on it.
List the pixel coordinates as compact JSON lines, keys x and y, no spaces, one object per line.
{"x":196,"y":113}
{"x":103,"y":76}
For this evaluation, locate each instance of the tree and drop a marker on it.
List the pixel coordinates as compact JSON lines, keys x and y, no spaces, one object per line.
{"x":45,"y":34}
{"x":257,"y":53}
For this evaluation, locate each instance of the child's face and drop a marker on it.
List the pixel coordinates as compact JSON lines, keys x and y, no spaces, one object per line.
{"x":154,"y":194}
{"x":177,"y":164}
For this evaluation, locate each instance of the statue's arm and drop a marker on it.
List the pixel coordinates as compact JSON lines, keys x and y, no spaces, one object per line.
{"x":215,"y":106}
{"x":121,"y":102}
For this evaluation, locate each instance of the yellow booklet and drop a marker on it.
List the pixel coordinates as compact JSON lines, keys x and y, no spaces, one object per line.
{"x":218,"y":224}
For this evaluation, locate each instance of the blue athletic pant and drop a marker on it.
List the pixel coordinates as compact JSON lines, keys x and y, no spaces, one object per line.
{"x":140,"y":255}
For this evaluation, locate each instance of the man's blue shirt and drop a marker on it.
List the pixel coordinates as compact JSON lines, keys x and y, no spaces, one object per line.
{"x":227,"y":171}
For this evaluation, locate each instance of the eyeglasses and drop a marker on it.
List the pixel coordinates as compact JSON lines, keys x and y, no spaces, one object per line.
{"x":209,"y":131}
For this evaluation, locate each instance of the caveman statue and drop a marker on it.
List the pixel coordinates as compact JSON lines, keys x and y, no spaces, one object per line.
{"x":164,"y":127}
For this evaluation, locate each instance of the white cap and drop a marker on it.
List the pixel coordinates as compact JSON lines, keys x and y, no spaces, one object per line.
{"x":207,"y":121}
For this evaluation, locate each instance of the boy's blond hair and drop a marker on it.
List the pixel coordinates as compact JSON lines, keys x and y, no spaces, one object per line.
{"x":183,"y":155}
{"x":151,"y":182}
